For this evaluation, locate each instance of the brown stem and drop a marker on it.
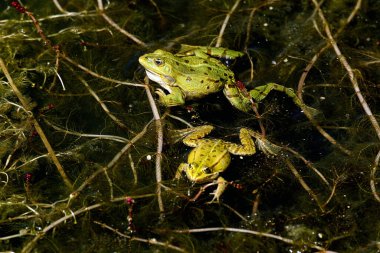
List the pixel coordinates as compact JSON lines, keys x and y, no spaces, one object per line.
{"x":36,"y":126}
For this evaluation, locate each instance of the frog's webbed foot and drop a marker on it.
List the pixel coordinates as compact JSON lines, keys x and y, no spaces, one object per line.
{"x":264,"y":145}
{"x":222,"y":185}
{"x":267,"y":147}
{"x":310,"y":111}
{"x":260,"y":93}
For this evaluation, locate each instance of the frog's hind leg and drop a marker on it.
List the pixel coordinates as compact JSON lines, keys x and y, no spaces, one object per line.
{"x":196,"y":134}
{"x":259,"y":93}
{"x":237,"y":98}
{"x":247,"y":146}
{"x":264,"y":145}
{"x":200,"y":51}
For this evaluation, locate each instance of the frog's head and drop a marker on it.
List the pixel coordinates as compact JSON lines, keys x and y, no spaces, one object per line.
{"x":198,"y":174}
{"x":158,"y":67}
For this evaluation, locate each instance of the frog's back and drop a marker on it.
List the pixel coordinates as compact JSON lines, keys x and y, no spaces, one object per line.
{"x":199,"y":77}
{"x":212,"y":154}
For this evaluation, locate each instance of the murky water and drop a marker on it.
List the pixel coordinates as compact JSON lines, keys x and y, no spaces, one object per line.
{"x":82,"y":147}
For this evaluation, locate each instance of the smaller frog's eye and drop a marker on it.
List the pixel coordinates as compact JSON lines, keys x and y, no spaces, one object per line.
{"x":158,"y":61}
{"x":206,"y":170}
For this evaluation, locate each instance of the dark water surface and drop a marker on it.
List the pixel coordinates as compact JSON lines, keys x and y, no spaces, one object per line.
{"x":81,"y":91}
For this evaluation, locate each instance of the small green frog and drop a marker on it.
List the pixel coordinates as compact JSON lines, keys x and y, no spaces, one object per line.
{"x":212,"y":156}
{"x":194,"y":72}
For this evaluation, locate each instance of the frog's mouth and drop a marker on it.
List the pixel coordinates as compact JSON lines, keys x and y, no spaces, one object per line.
{"x":162,"y":80}
{"x":200,"y":178}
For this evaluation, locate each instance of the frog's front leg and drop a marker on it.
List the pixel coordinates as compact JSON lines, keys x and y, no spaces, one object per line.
{"x":174,"y":98}
{"x":259,"y":93}
{"x":237,"y":98}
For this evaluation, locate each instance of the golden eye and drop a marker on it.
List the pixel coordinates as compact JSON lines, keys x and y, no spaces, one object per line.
{"x":158,"y":61}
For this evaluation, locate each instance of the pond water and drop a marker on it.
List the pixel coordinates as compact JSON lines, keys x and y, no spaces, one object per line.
{"x":89,"y":155}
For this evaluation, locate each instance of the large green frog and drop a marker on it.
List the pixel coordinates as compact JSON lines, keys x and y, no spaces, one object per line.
{"x":211,"y":156}
{"x":194,"y":72}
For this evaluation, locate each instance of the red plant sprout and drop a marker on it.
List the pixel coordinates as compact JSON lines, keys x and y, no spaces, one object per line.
{"x":131,"y":227}
{"x":28,"y":178}
{"x":18,"y":6}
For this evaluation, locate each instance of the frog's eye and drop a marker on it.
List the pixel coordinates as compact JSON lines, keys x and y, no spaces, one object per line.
{"x":206,"y":170}
{"x":158,"y":61}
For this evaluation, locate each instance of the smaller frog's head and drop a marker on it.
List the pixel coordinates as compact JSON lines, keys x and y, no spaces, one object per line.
{"x":198,"y":174}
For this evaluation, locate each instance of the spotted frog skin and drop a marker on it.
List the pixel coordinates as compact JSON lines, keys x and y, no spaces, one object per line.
{"x":194,"y":72}
{"x":190,"y":74}
{"x":212,"y":156}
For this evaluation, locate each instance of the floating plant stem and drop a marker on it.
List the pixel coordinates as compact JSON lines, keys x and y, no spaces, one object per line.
{"x":37,"y":126}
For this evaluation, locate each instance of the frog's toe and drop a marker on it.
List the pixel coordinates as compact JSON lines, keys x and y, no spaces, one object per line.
{"x":314,"y":113}
{"x":267,"y":147}
{"x":222,"y":184}
{"x":162,"y":97}
{"x":216,"y":198}
{"x":160,"y":92}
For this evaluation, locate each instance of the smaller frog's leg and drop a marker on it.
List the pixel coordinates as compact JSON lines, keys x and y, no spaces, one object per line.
{"x":222,"y":185}
{"x":264,"y":145}
{"x":218,"y":52}
{"x":196,"y":134}
{"x":175,"y":98}
{"x":247,"y":146}
{"x":259,"y":93}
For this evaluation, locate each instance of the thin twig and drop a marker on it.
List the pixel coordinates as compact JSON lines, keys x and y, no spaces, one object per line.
{"x":249,"y":32}
{"x":112,"y":162}
{"x":95,"y":136}
{"x":117,"y":27}
{"x":373,"y":177}
{"x":307,"y":163}
{"x":102,"y":105}
{"x":303,"y":183}
{"x":301,"y":82}
{"x":160,"y":141}
{"x":59,"y":7}
{"x":30,"y":245}
{"x":37,"y":126}
{"x":225,"y":22}
{"x":92,"y":73}
{"x":350,"y":72}
{"x":134,"y":238}
{"x":246,"y":231}
{"x":132,"y":165}
{"x":357,"y":90}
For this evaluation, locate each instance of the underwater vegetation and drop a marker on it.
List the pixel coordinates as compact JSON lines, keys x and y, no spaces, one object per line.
{"x":94,"y":157}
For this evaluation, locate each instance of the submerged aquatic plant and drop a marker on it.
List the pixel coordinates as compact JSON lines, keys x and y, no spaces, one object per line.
{"x":86,"y":152}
